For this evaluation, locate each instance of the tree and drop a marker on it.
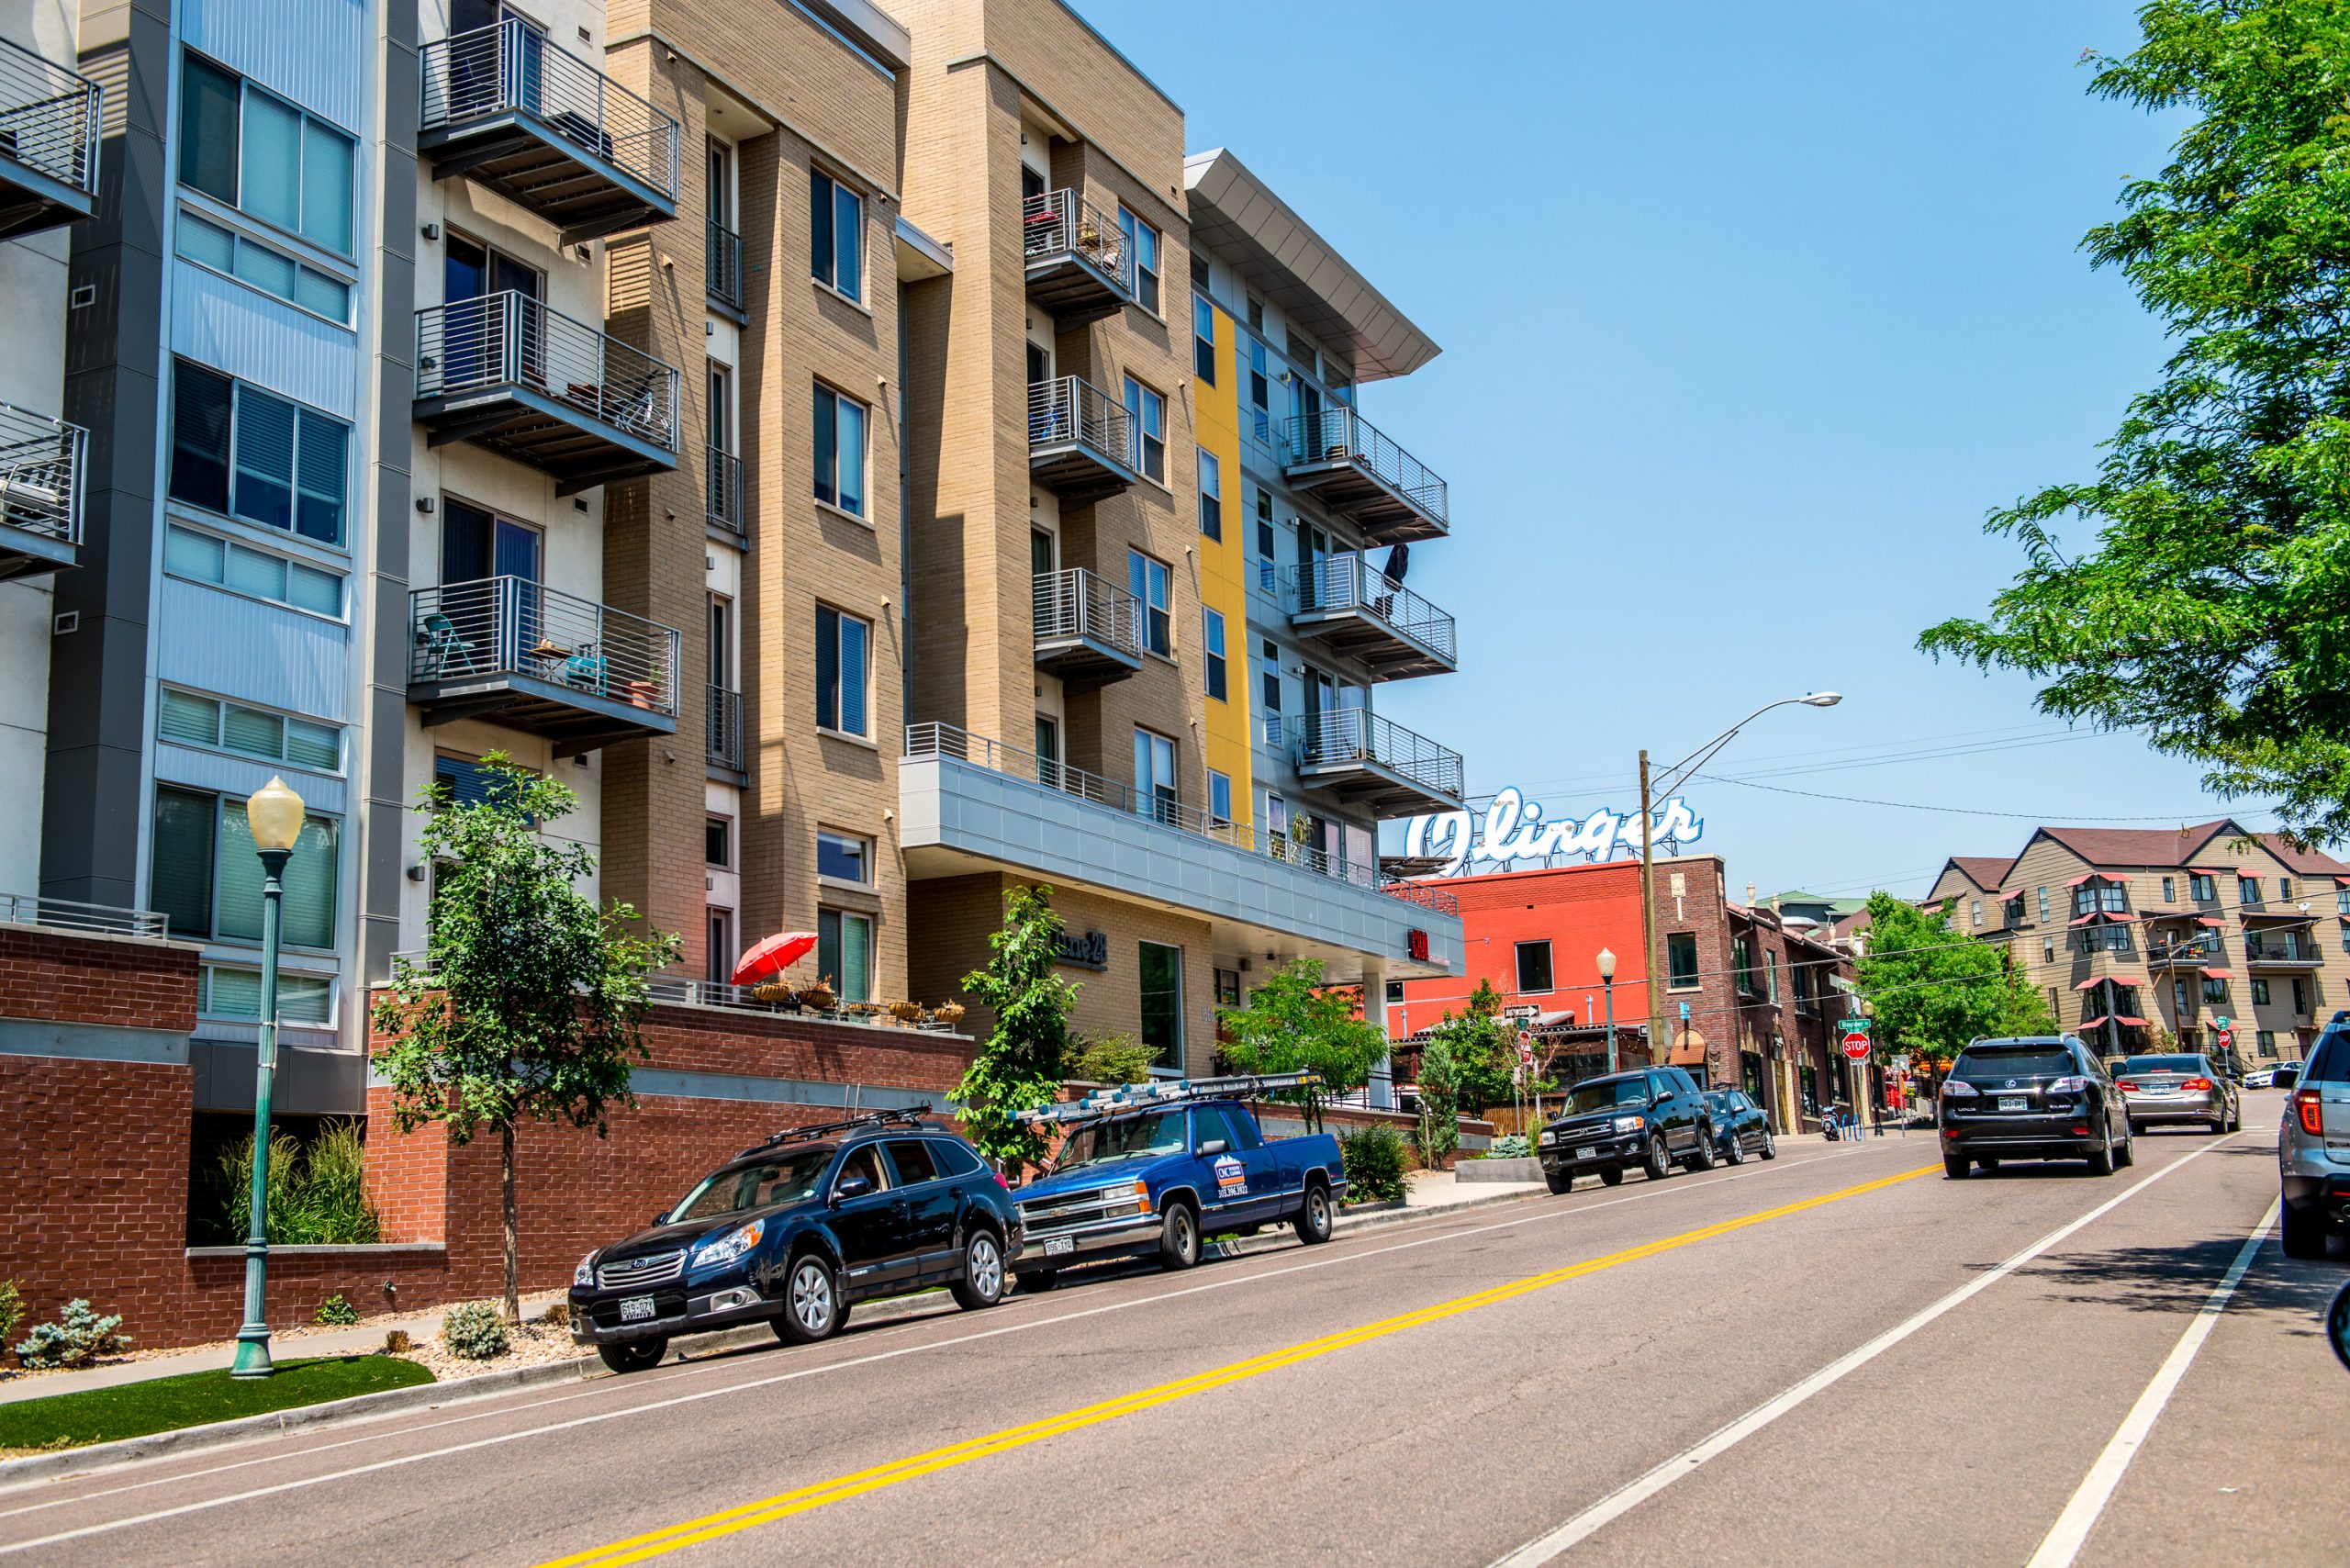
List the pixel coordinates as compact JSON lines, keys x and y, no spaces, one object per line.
{"x":526,"y":1007}
{"x":1934,"y":988}
{"x":1438,"y":1133}
{"x":2025,"y":1011}
{"x":2213,"y":609}
{"x":1481,"y":1050}
{"x":1293,"y":1023}
{"x":1019,"y":1068}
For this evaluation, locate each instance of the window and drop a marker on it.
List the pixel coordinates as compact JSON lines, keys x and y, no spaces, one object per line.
{"x":237,"y":449}
{"x":1160,"y":969}
{"x":1770,"y":976}
{"x":836,"y":235}
{"x":2215,"y":991}
{"x":717,"y":951}
{"x":1271,"y":680}
{"x":1533,"y":967}
{"x":1227,"y":987}
{"x":1680,"y":960}
{"x":1155,"y":788}
{"x":1149,"y":581}
{"x":2267,"y":1040}
{"x":207,"y":558}
{"x":2048,"y":949}
{"x":229,"y":726}
{"x":2170,"y":889}
{"x":842,"y":676}
{"x":2200,"y":888}
{"x":1147,"y":417}
{"x":718,"y":843}
{"x":264,"y":157}
{"x":1268,"y":546}
{"x":2342,"y":900}
{"x":1395,"y":993}
{"x":1975,"y":911}
{"x":1203,"y":340}
{"x":1220,"y":797}
{"x":2248,"y":891}
{"x":844,"y":856}
{"x":1211,"y":636}
{"x":845,"y":953}
{"x":722,"y":641}
{"x":911,"y":1157}
{"x":1142,"y":244}
{"x":840,"y":451}
{"x":206,"y":876}
{"x":2260,"y":993}
{"x":1211,"y":494}
{"x":273,"y":272}
{"x":2300,"y":997}
{"x":463,"y":782}
{"x":2284,"y":887}
{"x":2043,"y":906}
{"x":222,"y":991}
{"x":1260,"y":392}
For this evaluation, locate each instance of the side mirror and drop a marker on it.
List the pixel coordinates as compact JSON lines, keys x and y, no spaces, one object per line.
{"x":851,"y":1187}
{"x":1213,"y":1146}
{"x":656,"y":1222}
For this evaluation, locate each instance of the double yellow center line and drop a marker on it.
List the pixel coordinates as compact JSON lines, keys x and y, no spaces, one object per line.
{"x":784,"y":1505}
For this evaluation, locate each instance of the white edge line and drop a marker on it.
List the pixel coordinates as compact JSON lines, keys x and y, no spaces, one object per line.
{"x":1632,"y":1493}
{"x":2071,"y":1531}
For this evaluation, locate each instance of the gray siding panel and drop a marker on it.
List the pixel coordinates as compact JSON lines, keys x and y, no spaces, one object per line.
{"x":313,"y":51}
{"x":255,"y":338}
{"x":243,"y":647}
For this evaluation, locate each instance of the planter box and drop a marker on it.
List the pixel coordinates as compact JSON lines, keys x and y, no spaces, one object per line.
{"x":1498,"y":1171}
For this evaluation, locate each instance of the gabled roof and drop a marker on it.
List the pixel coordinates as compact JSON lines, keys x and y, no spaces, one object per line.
{"x":1982,"y":870}
{"x":2141,"y":845}
{"x":2307,"y":862}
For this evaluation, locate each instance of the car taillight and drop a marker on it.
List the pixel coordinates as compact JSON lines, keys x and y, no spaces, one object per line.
{"x":1959,"y":1089}
{"x":2068,"y":1086}
{"x":2305,"y":1103}
{"x":2197,"y":1084}
{"x":2130,"y":1085}
{"x":1001,"y":1183}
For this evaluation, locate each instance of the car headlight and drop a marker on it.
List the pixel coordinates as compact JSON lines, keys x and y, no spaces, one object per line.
{"x":731,"y":1245}
{"x":1627,"y":1124}
{"x":1550,"y":1137}
{"x":585,"y":1273}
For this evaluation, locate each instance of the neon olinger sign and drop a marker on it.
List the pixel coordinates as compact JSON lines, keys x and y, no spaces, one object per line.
{"x":1512,"y":830}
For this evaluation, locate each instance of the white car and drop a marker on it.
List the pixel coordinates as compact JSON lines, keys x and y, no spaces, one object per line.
{"x":2260,"y":1078}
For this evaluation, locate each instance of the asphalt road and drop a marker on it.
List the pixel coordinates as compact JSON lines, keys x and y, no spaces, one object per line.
{"x":1836,"y":1357}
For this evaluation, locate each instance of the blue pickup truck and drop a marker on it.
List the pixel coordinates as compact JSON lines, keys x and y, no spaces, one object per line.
{"x":1154,"y":1169}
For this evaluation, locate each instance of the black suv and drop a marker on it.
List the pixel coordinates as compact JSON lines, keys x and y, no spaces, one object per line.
{"x":793,"y":1231}
{"x":2037,"y":1098}
{"x":1655,"y":1119}
{"x":1740,"y":1127}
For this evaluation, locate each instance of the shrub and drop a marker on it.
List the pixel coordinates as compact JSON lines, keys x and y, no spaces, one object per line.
{"x":557,"y":1314}
{"x":474,"y":1332}
{"x":11,"y":1310}
{"x":336,"y":1310}
{"x":1508,"y":1145}
{"x":1114,"y":1058}
{"x":318,"y":1195}
{"x":397,"y":1342}
{"x":79,"y":1337}
{"x":1373,"y":1158}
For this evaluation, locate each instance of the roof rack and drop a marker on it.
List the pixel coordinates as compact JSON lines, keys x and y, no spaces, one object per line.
{"x":911,"y":1115}
{"x":1169,"y":1092}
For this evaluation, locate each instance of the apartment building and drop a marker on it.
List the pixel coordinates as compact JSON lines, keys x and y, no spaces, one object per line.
{"x":2127,"y":930}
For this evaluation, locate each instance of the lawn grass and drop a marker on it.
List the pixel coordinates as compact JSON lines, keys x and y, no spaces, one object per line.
{"x":166,"y":1404}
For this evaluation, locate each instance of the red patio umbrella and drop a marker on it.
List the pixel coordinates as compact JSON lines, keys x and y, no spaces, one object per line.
{"x":770,"y":955}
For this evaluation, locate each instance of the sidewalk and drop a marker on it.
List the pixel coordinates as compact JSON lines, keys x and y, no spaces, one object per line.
{"x":1443,"y":1190}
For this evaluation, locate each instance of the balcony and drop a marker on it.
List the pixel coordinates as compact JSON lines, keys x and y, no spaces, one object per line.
{"x":1379,"y":766}
{"x":722,"y":267}
{"x":49,"y":143}
{"x":2184,"y":955}
{"x":1342,"y":458}
{"x":520,"y":654}
{"x":40,"y":492}
{"x":520,"y":116}
{"x":1088,"y":632}
{"x":1078,"y":447}
{"x":2271,"y":952}
{"x":506,"y":372}
{"x":726,"y":499}
{"x":1076,"y":258}
{"x":723,"y":742}
{"x":1352,"y":607}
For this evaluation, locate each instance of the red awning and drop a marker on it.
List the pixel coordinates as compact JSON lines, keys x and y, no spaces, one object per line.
{"x":2089,"y":877}
{"x":2091,"y":1022}
{"x":2133,"y":1023}
{"x":2215,"y":921}
{"x":2210,"y":973}
{"x":2212,"y":870}
{"x":2087,"y":983}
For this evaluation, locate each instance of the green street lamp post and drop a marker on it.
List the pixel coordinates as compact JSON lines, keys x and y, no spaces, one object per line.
{"x":1607,"y":985}
{"x":274,"y":814}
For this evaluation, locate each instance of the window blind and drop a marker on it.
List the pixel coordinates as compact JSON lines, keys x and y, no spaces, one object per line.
{"x":180,"y":879}
{"x":270,"y":170}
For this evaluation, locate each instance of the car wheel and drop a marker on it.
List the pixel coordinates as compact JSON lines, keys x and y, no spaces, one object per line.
{"x":1561,"y":1180}
{"x":1312,"y":1222}
{"x":1733,"y":1150}
{"x":2137,"y":1127}
{"x":2128,"y":1153}
{"x":1034,"y":1282}
{"x":2303,"y":1231}
{"x":1953,"y":1165}
{"x":1179,"y":1237}
{"x":1656,"y":1167}
{"x":1611,"y":1176}
{"x":1701,"y":1157}
{"x":811,"y":1302}
{"x":2101,"y":1157}
{"x":633,"y":1355}
{"x":2235,"y":1117}
{"x":1770,"y":1145}
{"x":982,"y":1285}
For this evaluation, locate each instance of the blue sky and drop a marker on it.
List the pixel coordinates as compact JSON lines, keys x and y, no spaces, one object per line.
{"x":1750,"y":313}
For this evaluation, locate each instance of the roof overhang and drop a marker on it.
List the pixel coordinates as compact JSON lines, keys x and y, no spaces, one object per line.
{"x":1236,"y":215}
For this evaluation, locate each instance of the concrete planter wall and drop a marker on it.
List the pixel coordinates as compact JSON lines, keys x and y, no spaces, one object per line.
{"x":1498,"y":1171}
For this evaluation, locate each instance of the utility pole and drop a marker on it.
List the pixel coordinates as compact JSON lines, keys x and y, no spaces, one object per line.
{"x":1647,"y":915}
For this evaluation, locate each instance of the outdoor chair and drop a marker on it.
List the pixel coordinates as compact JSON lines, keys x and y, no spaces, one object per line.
{"x":440,"y":648}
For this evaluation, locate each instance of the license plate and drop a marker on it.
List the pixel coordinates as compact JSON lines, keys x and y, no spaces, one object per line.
{"x":1058,"y":1245}
{"x":1585,"y":1153}
{"x":636,"y":1309}
{"x":2012,"y":1103}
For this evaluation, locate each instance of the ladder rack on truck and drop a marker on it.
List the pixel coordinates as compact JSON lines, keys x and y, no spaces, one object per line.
{"x":1171,"y":1091}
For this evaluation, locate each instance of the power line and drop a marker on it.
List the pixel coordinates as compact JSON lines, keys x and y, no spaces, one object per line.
{"x":2098,"y":818}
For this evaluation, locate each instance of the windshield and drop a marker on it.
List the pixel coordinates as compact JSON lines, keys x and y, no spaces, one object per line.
{"x":2161,"y":1064}
{"x":787,"y":1179}
{"x":1606,"y":1094}
{"x":2014,"y":1061}
{"x":1161,"y":1132}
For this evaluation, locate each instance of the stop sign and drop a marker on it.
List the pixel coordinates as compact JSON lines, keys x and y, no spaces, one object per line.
{"x":1856,"y":1046}
{"x":2227,"y":1038}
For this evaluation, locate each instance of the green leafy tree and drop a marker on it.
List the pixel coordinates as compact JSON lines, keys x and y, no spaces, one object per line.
{"x":2026,"y":1011}
{"x":1438,"y":1133}
{"x":2212,"y":607}
{"x":1483,"y":1049}
{"x":1019,"y":1067}
{"x":1934,"y":988}
{"x":527,"y":1006}
{"x":1294,"y":1024}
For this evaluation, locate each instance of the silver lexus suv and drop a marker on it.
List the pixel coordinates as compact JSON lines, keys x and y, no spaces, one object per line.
{"x":2313,"y":1149}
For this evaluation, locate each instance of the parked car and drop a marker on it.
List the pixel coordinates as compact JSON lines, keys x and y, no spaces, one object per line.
{"x":2313,"y":1146}
{"x":794,"y":1231}
{"x":2178,"y":1087}
{"x":1156,"y":1170}
{"x":1740,"y":1127}
{"x":1655,"y":1119}
{"x":2044,"y":1097}
{"x":2260,"y":1078}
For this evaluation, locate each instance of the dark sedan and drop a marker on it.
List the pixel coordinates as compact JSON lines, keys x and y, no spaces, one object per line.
{"x":2041,"y":1098}
{"x":1739,"y":1127}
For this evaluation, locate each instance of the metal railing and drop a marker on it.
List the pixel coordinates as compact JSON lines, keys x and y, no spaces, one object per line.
{"x":41,"y":474}
{"x":2279,"y":950}
{"x":1340,"y":433}
{"x":934,"y":740}
{"x":2173,"y":954}
{"x":48,"y":118}
{"x":68,"y":914}
{"x":1071,"y":409}
{"x":723,"y":745}
{"x":1348,"y":581}
{"x":722,"y":264}
{"x":726,"y":493}
{"x":1064,"y":223}
{"x":509,"y":625}
{"x":508,"y":68}
{"x":1074,"y":602}
{"x":1358,"y":736}
{"x":512,"y":340}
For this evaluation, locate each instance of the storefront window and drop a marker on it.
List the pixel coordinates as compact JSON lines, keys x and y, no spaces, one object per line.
{"x":1161,"y":968}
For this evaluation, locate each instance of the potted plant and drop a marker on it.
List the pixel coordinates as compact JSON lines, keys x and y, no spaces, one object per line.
{"x":906,"y":1013}
{"x":775,"y":991}
{"x":949,"y":1014}
{"x":819,"y":998}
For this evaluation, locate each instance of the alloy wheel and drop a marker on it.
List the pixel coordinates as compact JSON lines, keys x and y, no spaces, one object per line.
{"x":811,"y":1295}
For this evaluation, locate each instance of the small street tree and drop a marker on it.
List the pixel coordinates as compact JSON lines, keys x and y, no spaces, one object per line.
{"x":1481,"y":1048}
{"x":527,"y":1006}
{"x":1934,"y":988}
{"x":1019,"y":1068}
{"x":1293,"y":1024}
{"x":1438,"y":1133}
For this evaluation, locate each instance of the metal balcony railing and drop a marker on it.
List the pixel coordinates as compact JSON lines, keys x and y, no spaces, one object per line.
{"x":2182,"y":955}
{"x":1340,"y":433}
{"x":726,"y":493}
{"x":724,"y":741}
{"x":933,"y":739}
{"x":1356,"y":736}
{"x":509,"y":68}
{"x":48,"y":118}
{"x":1074,"y":602}
{"x":1070,"y":409}
{"x":41,"y":474}
{"x":1348,"y":581}
{"x":512,"y":340}
{"x":66,"y":914}
{"x":2279,"y":950}
{"x":1059,"y":223}
{"x":722,"y":265}
{"x":510,"y":626}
